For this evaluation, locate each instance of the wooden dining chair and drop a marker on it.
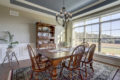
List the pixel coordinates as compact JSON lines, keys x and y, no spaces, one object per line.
{"x":89,"y":58}
{"x":37,"y":66}
{"x":74,"y":62}
{"x":86,"y":50}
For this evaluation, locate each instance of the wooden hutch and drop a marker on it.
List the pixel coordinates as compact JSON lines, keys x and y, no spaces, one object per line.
{"x":45,"y":35}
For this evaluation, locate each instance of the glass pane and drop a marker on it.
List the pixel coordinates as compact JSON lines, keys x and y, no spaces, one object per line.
{"x":76,"y":42}
{"x":88,"y":22}
{"x":115,"y":33}
{"x":78,"y":34}
{"x":95,"y":34}
{"x":111,"y":47}
{"x":105,"y":26}
{"x":88,"y":31}
{"x":76,"y":24}
{"x":106,"y":34}
{"x":116,"y":16}
{"x":115,"y":25}
{"x":106,"y":18}
{"x":96,"y":20}
{"x":95,"y":27}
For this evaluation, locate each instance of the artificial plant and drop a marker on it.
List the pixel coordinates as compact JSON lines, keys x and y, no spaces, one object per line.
{"x":10,"y":40}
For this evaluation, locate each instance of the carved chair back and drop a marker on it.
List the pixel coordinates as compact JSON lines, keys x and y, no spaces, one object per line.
{"x":76,"y":57}
{"x":34,"y":61}
{"x":91,"y":52}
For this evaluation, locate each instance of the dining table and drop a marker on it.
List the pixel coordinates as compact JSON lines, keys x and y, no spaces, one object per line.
{"x":56,"y":56}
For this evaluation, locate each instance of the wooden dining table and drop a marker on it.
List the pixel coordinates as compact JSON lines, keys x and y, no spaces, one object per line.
{"x":56,"y":57}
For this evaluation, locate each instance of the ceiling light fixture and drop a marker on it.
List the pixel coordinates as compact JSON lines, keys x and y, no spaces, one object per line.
{"x":63,"y":17}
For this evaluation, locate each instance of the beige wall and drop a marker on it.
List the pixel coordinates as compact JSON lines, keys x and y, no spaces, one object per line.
{"x":23,"y":26}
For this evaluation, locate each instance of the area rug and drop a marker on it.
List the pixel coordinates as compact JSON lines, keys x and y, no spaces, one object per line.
{"x":101,"y":72}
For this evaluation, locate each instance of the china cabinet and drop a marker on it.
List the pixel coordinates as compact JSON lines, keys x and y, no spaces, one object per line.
{"x":45,"y":35}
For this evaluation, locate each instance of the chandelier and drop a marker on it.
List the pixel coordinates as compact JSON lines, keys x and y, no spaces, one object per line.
{"x":63,"y":17}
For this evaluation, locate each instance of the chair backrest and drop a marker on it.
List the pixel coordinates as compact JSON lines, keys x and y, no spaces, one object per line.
{"x":85,"y":44}
{"x":76,"y":57}
{"x":33,"y":59}
{"x":91,"y":52}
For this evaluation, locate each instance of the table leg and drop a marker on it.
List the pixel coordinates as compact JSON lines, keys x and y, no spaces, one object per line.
{"x":55,"y":63}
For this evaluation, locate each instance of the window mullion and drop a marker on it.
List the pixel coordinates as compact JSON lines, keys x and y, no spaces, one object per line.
{"x":99,"y":40}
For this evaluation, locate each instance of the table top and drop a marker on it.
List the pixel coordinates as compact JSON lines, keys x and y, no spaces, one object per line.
{"x":56,"y":54}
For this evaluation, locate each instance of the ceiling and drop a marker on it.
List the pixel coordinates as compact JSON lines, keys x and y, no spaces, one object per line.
{"x":76,"y":7}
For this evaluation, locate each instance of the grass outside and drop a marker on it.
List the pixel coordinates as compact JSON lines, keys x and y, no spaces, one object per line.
{"x":111,"y":49}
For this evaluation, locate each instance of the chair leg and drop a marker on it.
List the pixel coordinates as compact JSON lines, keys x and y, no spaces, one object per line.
{"x":81,"y":75}
{"x":61,"y":71}
{"x":91,"y":66}
{"x":82,"y":64}
{"x":85,"y":70}
{"x":70,"y":75}
{"x":31,"y":76}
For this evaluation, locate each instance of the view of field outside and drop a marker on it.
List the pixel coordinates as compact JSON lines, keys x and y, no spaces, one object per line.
{"x":88,"y":30}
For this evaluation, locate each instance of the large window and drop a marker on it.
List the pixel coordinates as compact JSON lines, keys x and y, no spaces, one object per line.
{"x":104,"y":31}
{"x":78,"y":35}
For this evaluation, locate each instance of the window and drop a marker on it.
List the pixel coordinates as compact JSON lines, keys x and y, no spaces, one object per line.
{"x":77,"y":24}
{"x":92,"y":34}
{"x":78,"y":35}
{"x":105,"y":34}
{"x":110,"y":38}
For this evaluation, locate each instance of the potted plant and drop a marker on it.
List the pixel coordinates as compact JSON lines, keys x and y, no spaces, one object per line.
{"x":10,"y":41}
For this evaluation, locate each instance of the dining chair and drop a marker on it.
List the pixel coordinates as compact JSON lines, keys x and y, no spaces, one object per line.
{"x":89,"y":58}
{"x":86,"y":50}
{"x":37,"y":66}
{"x":74,"y":63}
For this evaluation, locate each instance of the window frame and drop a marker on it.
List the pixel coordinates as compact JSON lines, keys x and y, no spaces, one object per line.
{"x":100,"y":28}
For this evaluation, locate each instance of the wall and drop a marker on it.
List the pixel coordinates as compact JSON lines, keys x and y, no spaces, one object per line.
{"x":24,"y":29}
